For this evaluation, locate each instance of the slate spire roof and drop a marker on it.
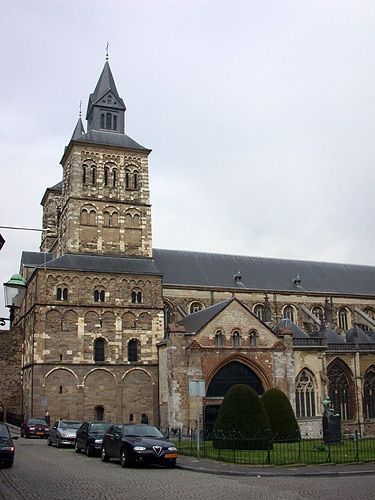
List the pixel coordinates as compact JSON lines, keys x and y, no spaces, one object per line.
{"x":78,"y":131}
{"x":105,"y":83}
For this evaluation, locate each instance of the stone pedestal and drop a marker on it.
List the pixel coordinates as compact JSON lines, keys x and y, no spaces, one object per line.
{"x":332,"y":429}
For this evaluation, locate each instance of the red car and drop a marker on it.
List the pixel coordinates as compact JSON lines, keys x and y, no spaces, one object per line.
{"x":36,"y":427}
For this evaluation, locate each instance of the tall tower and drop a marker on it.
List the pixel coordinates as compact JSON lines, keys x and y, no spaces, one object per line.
{"x":104,"y":205}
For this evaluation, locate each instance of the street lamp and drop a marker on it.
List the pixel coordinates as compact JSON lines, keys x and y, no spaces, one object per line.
{"x":14,"y":291}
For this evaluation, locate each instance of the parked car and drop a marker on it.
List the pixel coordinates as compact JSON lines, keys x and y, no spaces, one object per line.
{"x":7,"y":448}
{"x":36,"y":427}
{"x":63,"y":433}
{"x":89,"y":437}
{"x":138,"y":443}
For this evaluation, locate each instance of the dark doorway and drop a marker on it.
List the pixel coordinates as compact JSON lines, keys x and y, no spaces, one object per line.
{"x":99,"y":413}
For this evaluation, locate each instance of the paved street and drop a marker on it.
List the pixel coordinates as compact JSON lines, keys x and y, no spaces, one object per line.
{"x":42,"y":472}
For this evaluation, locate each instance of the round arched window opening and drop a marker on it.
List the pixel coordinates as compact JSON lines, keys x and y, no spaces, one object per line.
{"x":231,"y":374}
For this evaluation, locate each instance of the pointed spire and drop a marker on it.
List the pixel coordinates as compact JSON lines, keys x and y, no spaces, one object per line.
{"x":79,"y":130}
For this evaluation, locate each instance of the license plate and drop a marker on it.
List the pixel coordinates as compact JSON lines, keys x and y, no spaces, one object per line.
{"x":39,"y":433}
{"x":170,"y":455}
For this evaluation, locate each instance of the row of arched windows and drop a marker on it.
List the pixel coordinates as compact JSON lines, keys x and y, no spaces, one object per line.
{"x":108,"y":121}
{"x":88,"y":217}
{"x":99,"y":295}
{"x":340,"y":390}
{"x":134,"y":350}
{"x":237,"y":340}
{"x":110,"y":177}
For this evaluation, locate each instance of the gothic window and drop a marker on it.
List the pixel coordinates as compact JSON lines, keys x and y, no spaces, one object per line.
{"x":136,"y":297}
{"x":99,"y":295}
{"x":236,"y":339}
{"x":340,"y":390}
{"x":288,"y":312}
{"x":99,"y":350}
{"x":108,"y":121}
{"x":259,"y":311}
{"x":318,"y":312}
{"x":115,"y":122}
{"x":231,"y":374}
{"x":62,"y":293}
{"x":219,"y":339}
{"x":134,"y":348}
{"x":114,"y":177}
{"x":106,"y":174}
{"x":93,"y":175}
{"x":343,"y":318}
{"x":305,"y":395}
{"x":253,"y":338}
{"x":369,"y":393}
{"x":195,"y":307}
{"x":102,"y":121}
{"x":84,"y":174}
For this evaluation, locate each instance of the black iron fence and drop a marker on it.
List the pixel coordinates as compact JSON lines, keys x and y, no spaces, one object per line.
{"x":271,"y":449}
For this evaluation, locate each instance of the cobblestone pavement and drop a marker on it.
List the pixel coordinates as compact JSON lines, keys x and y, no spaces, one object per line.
{"x":43,"y":472}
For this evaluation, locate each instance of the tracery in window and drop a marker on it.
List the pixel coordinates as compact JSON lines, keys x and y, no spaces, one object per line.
{"x":259,"y":311}
{"x":62,"y":293}
{"x":288,"y":312}
{"x":369,"y":393}
{"x":136,"y":297}
{"x":343,"y":318}
{"x":195,"y":307}
{"x":318,"y":312}
{"x":99,"y":295}
{"x":305,"y":395}
{"x":340,"y":390}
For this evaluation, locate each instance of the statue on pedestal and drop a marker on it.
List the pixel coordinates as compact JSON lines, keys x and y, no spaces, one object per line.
{"x":331,"y":423}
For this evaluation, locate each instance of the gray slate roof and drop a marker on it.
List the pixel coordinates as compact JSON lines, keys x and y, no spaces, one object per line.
{"x":92,"y":263}
{"x":261,"y":273}
{"x":106,"y":82}
{"x":194,"y":322}
{"x":78,"y":131}
{"x":357,"y":336}
{"x":286,"y":323}
{"x":108,"y":138}
{"x":333,"y":337}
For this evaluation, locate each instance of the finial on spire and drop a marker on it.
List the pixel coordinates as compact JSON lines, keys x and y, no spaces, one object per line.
{"x":106,"y":52}
{"x":80,"y":109}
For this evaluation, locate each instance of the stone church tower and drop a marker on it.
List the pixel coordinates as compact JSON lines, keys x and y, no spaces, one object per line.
{"x":93,"y":313}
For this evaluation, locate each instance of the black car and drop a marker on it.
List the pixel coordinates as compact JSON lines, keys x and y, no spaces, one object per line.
{"x":138,"y":443}
{"x":7,"y":448}
{"x":36,"y":427}
{"x":89,"y":437}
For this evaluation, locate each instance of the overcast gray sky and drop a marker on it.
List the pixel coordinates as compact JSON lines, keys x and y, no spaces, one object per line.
{"x":260,"y":115}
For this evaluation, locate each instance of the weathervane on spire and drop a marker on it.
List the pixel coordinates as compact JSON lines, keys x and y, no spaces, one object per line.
{"x":80,"y":109}
{"x":106,"y":52}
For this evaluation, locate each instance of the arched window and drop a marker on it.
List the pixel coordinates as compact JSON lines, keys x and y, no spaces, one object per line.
{"x":84,"y":216}
{"x":340,"y":390}
{"x":99,"y":350}
{"x":92,"y":218}
{"x":59,"y":294}
{"x":84,"y":174}
{"x":236,"y":339}
{"x":318,"y":312}
{"x":369,"y":393}
{"x":99,"y":413}
{"x":259,"y":311}
{"x":106,"y":173}
{"x":219,"y":339}
{"x":343,"y":318}
{"x":99,"y":295}
{"x":65,"y":294}
{"x":107,"y":218}
{"x":288,"y":312}
{"x":135,"y":180}
{"x":305,"y":395}
{"x":114,"y":122}
{"x":109,"y":99}
{"x":195,"y":307}
{"x":231,"y":374}
{"x":167,"y":310}
{"x":93,"y":175}
{"x":114,"y":219}
{"x":136,"y":297}
{"x":108,"y":121}
{"x":253,"y":338}
{"x":102,"y":121}
{"x":114,"y":177}
{"x":134,"y":350}
{"x":127,"y":180}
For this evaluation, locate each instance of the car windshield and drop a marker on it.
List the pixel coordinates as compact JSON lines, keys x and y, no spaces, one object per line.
{"x":141,"y":430}
{"x":36,"y":421}
{"x":4,"y":432}
{"x":99,"y":427}
{"x":68,"y":424}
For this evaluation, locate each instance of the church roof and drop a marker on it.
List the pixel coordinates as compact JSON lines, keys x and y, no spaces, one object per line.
{"x":108,"y":138}
{"x":333,"y":337}
{"x":287,"y":324}
{"x":105,"y":83}
{"x":91,"y":263}
{"x":357,"y":336}
{"x":194,"y":322}
{"x":78,"y":131}
{"x":261,"y":273}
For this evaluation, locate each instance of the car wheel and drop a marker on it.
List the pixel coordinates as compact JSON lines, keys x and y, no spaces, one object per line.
{"x":104,"y":456}
{"x":76,"y":448}
{"x":124,"y":458}
{"x":26,"y":436}
{"x":8,"y":465}
{"x":88,"y":450}
{"x":49,"y":442}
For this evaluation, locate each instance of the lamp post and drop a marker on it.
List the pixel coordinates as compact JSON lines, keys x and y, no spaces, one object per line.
{"x":14,"y":291}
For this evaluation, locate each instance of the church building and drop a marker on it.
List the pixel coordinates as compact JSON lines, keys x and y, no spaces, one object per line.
{"x":112,"y":328}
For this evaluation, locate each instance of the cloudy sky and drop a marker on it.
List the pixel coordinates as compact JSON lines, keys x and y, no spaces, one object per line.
{"x":260,"y":115}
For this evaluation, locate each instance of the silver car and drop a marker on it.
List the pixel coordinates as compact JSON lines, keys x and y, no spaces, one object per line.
{"x":63,"y":433}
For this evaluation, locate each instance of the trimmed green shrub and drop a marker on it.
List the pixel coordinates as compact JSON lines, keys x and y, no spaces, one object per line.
{"x":242,"y":422}
{"x":281,"y":416}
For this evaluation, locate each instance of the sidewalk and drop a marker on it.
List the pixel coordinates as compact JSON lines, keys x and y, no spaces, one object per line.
{"x":325,"y":470}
